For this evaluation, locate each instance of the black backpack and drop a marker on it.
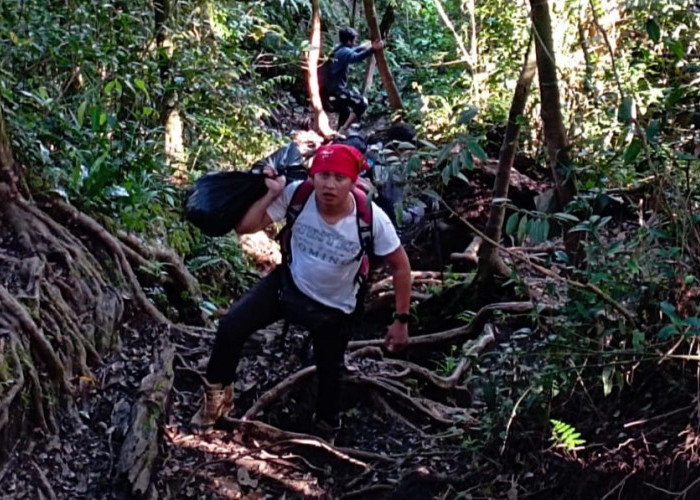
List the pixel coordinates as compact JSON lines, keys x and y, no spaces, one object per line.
{"x":324,"y":71}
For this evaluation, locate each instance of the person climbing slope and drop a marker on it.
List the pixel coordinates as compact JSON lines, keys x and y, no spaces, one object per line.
{"x":327,"y":243}
{"x":333,"y":78}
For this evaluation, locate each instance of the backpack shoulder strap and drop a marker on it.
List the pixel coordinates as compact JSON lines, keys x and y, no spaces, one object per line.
{"x":364,"y":222}
{"x":301,"y":195}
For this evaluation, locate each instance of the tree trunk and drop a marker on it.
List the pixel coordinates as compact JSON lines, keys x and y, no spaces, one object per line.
{"x":553,"y":122}
{"x":384,"y":27}
{"x":321,"y":124}
{"x":489,"y":260}
{"x":388,"y":80}
{"x":173,"y":123}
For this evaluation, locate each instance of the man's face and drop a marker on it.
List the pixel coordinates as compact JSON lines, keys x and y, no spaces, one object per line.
{"x":353,"y":42}
{"x":332,"y":189}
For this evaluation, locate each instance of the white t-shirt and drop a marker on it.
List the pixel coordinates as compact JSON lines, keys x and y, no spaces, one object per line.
{"x":324,"y":263}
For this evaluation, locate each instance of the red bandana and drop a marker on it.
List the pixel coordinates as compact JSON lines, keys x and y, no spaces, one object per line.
{"x":339,"y":158}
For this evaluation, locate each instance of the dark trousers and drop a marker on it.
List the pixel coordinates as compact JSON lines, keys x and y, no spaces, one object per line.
{"x":344,"y":102}
{"x":272,"y":298}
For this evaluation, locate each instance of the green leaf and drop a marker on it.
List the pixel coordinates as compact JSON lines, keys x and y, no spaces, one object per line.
{"x":81,"y":112}
{"x":624,"y":112}
{"x":638,"y":340}
{"x":653,"y":30}
{"x":607,"y":377}
{"x":632,"y":151}
{"x":467,"y":161}
{"x":534,"y":230}
{"x":563,"y":216}
{"x":456,"y":165}
{"x":446,"y":174}
{"x":667,"y":331}
{"x":677,"y":48}
{"x":668,"y":309}
{"x":653,"y":130}
{"x":414,"y":165}
{"x":467,"y":116}
{"x":562,"y":256}
{"x":141,"y":85}
{"x":476,"y":150}
{"x":522,"y":228}
{"x":675,"y":96}
{"x":446,"y":151}
{"x":512,"y":223}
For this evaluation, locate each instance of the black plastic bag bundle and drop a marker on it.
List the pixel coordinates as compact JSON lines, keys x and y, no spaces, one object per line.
{"x":287,"y":161}
{"x":217,"y":201}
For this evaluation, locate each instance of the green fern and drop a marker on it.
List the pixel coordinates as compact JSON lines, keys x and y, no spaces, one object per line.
{"x":565,"y":435}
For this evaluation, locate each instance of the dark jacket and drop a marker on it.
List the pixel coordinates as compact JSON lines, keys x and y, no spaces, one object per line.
{"x":333,"y":75}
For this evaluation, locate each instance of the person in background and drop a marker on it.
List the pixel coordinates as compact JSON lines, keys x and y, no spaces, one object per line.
{"x":333,"y":78}
{"x":317,"y":285}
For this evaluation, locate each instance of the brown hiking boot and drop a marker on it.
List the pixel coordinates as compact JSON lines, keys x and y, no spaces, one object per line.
{"x":217,"y":402}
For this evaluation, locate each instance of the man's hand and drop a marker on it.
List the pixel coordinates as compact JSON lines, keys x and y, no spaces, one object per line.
{"x":396,"y":338}
{"x":378,"y":44}
{"x":275,"y":184}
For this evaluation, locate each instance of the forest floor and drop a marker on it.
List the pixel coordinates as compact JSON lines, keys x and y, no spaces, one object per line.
{"x":640,"y":443}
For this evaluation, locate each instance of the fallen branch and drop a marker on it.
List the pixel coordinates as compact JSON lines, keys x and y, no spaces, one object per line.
{"x":140,"y":448}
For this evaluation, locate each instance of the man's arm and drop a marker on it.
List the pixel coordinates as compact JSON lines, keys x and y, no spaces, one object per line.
{"x":256,"y":217}
{"x":364,"y":51}
{"x":397,"y":335}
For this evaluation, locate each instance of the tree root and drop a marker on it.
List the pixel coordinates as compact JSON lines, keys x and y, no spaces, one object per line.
{"x":274,"y":437}
{"x":387,"y":374}
{"x":16,"y":377}
{"x":285,"y":386}
{"x":44,"y":484}
{"x":470,"y":254}
{"x":417,"y":278}
{"x":93,"y":228}
{"x":416,"y":404}
{"x":39,"y":342}
{"x":469,"y":348}
{"x":455,"y":334}
{"x":391,"y":412}
{"x":174,"y":265}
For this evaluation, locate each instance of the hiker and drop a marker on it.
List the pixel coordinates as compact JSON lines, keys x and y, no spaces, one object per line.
{"x":331,"y":232}
{"x":333,"y":79}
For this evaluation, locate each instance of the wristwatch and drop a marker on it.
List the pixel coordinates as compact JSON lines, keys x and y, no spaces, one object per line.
{"x":402,"y":317}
